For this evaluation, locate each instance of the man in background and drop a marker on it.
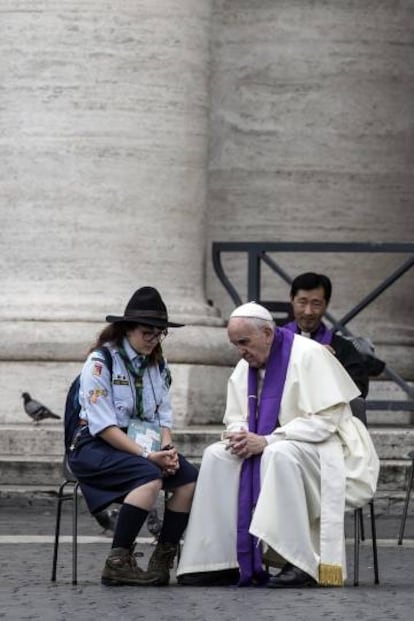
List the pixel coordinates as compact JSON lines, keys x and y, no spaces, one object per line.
{"x":310,"y":295}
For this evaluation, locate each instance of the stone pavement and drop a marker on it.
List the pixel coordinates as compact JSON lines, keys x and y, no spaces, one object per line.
{"x":26,"y":591}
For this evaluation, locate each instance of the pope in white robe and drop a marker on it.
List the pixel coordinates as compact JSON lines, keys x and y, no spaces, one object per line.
{"x":315,"y":464}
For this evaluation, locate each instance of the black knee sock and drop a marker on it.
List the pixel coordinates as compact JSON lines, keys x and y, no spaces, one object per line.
{"x":173,"y":526}
{"x":129,"y":523}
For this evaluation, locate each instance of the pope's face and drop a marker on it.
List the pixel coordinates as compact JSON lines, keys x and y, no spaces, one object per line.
{"x":253,"y":342}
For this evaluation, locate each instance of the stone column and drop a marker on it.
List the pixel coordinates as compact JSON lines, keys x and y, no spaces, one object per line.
{"x":106,"y":142}
{"x":104,"y":125}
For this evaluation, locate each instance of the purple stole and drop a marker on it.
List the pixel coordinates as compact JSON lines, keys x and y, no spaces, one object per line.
{"x":263,"y":420}
{"x":322,"y":335}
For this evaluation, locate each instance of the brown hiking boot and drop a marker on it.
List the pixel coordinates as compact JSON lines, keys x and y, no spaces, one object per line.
{"x":162,"y":560}
{"x":121,"y":568}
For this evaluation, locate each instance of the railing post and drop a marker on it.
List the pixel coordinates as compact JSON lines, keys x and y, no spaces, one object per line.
{"x":253,"y":275}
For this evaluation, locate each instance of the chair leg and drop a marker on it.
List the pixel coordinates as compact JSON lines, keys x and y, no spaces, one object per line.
{"x":75,"y":534}
{"x":361,"y":525}
{"x":60,"y":500}
{"x":406,"y":503}
{"x":374,"y":542}
{"x":357,"y":522}
{"x":62,"y":497}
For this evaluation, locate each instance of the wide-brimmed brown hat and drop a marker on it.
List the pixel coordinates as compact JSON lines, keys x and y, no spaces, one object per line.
{"x":146,"y":307}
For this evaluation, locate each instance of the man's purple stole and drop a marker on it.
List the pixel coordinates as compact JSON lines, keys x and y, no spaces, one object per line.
{"x":263,"y":420}
{"x":322,"y":335}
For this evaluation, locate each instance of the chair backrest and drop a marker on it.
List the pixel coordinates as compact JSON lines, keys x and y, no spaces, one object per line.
{"x":359,"y":409}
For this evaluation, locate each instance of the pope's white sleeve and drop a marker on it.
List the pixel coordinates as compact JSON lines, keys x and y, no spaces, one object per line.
{"x":312,"y":428}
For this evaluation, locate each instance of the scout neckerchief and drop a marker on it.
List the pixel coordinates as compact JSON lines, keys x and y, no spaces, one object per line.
{"x":263,"y":419}
{"x":322,"y":335}
{"x":138,"y":375}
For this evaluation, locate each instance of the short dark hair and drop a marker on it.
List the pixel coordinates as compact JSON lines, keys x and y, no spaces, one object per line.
{"x":311,"y":280}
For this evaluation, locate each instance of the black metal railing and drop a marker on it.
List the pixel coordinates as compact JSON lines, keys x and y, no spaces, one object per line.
{"x":258,"y":253}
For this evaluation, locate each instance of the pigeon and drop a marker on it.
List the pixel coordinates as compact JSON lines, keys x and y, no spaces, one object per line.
{"x":107,"y":518}
{"x":37,"y":411}
{"x":154,"y":524}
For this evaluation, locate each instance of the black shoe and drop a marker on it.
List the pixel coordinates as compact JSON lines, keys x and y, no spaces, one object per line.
{"x":224,"y":577}
{"x":291,"y":577}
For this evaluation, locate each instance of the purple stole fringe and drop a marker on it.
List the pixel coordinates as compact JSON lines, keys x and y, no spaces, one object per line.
{"x":249,"y":554}
{"x":322,"y":335}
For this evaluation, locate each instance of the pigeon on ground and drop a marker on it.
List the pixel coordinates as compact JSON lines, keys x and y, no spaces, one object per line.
{"x":37,"y":411}
{"x":107,"y":518}
{"x":154,"y":524}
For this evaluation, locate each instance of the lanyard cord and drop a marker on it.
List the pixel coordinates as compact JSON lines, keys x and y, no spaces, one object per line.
{"x":157,"y":405}
{"x":138,"y":377}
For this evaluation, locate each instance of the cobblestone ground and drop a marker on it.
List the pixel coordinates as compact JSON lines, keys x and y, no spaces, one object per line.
{"x":26,"y":591}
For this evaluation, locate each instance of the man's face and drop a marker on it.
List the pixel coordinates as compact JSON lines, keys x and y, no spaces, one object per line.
{"x":253,"y":342}
{"x":308,"y":308}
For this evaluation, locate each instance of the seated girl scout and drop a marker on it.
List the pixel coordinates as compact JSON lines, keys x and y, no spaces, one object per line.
{"x":113,"y":464}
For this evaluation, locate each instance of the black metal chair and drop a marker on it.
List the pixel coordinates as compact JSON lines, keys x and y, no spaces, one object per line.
{"x":358,"y":408}
{"x":359,"y":536}
{"x":407,"y":499}
{"x":68,"y":490}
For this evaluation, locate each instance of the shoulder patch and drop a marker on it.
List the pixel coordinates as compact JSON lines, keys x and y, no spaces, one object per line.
{"x":95,"y":394}
{"x":97,"y":368}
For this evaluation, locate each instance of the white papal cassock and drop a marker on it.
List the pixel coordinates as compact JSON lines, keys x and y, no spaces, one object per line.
{"x":319,"y":461}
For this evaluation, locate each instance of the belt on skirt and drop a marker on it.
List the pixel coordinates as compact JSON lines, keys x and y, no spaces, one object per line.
{"x":84,"y":423}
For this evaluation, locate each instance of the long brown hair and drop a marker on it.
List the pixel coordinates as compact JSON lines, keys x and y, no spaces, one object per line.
{"x":114,"y":334}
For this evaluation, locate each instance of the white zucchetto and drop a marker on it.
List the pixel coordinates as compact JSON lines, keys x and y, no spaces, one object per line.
{"x":251,"y":310}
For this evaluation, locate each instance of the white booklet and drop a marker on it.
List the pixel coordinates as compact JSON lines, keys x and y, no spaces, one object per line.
{"x":146,"y":434}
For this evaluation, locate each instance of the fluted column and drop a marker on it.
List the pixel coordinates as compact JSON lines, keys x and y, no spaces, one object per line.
{"x":104,"y":126}
{"x":105,"y":133}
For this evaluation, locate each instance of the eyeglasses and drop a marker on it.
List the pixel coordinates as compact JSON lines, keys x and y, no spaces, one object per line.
{"x":150,"y":336}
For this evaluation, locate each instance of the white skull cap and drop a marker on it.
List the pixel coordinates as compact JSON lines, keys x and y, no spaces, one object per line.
{"x":252,"y":310}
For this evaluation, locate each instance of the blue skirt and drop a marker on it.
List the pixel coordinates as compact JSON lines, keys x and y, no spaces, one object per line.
{"x":107,"y":475}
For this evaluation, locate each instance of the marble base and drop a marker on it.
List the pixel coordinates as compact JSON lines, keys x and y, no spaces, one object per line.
{"x":42,"y":358}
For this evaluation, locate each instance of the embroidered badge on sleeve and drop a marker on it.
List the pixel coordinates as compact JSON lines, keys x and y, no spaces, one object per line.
{"x":97,"y":369}
{"x":95,"y":394}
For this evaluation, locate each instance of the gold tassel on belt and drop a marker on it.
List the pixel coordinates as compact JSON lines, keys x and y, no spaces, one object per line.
{"x":330,"y":575}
